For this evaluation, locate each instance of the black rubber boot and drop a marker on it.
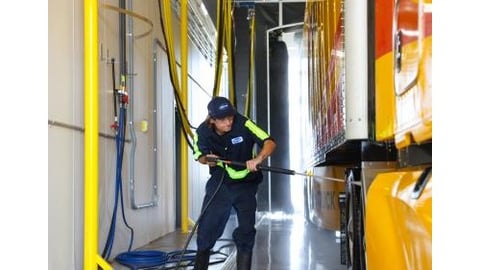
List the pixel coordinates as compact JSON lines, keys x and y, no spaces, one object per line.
{"x":244,"y":260}
{"x":202,"y":260}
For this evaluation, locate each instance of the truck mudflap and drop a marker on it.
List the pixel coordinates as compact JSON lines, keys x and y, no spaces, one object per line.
{"x":398,"y":223}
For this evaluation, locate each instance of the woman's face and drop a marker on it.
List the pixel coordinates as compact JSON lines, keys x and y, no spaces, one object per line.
{"x":223,"y":125}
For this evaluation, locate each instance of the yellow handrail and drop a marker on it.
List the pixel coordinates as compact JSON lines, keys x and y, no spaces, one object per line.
{"x":90,"y":251}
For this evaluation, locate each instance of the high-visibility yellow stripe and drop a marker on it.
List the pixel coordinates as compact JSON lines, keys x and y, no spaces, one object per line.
{"x":196,"y":150}
{"x":260,"y":133}
{"x":234,"y":174}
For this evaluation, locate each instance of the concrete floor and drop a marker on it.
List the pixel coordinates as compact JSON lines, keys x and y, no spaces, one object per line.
{"x":282,"y":243}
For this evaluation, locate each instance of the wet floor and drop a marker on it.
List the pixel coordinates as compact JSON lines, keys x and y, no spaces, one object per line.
{"x":286,"y":242}
{"x":283,"y":242}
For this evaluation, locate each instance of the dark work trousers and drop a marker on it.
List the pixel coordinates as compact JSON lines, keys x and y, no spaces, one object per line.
{"x":240,"y":196}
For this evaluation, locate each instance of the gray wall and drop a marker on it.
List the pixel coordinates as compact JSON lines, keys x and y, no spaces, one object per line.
{"x":65,"y":144}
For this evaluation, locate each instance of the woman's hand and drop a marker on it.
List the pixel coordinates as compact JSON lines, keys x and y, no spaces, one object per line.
{"x":253,"y":163}
{"x":210,"y":160}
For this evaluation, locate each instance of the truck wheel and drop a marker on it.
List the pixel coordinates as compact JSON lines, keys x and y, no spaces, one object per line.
{"x":355,"y":219}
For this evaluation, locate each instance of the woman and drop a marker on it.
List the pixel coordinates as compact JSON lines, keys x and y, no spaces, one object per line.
{"x":228,"y":135}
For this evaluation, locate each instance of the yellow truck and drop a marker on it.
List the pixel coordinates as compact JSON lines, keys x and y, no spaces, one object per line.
{"x":370,"y":122}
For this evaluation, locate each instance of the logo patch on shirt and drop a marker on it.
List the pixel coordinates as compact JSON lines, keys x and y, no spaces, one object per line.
{"x":236,"y":140}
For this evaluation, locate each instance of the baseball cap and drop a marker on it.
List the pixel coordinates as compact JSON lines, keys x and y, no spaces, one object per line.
{"x":220,"y":107}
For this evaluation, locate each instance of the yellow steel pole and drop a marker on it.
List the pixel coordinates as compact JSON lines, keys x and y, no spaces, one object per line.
{"x":90,"y":252}
{"x":184,"y":99}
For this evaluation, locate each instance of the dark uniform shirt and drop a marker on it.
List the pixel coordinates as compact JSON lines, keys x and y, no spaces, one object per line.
{"x":236,"y":145}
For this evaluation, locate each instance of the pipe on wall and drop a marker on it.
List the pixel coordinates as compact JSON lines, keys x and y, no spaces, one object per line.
{"x":131,"y":127}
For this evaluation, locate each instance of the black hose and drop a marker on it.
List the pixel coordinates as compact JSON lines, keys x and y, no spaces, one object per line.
{"x":172,"y":63}
{"x":182,"y":128}
{"x":205,"y":207}
{"x":147,"y":259}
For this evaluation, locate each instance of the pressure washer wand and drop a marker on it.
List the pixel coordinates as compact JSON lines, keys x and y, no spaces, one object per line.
{"x":275,"y":169}
{"x":260,"y":167}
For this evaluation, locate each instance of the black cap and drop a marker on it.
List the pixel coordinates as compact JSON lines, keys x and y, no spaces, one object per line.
{"x":220,"y":107}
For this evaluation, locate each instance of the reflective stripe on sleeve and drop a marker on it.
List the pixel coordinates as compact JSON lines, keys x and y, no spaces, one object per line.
{"x":196,"y":150}
{"x":260,"y":133}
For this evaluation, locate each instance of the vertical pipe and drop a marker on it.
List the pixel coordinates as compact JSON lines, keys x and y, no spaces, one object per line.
{"x":184,"y":100}
{"x":122,"y":39}
{"x":268,"y":120}
{"x":90,"y":247}
{"x":280,"y":13}
{"x":129,"y":40}
{"x":356,"y":69}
